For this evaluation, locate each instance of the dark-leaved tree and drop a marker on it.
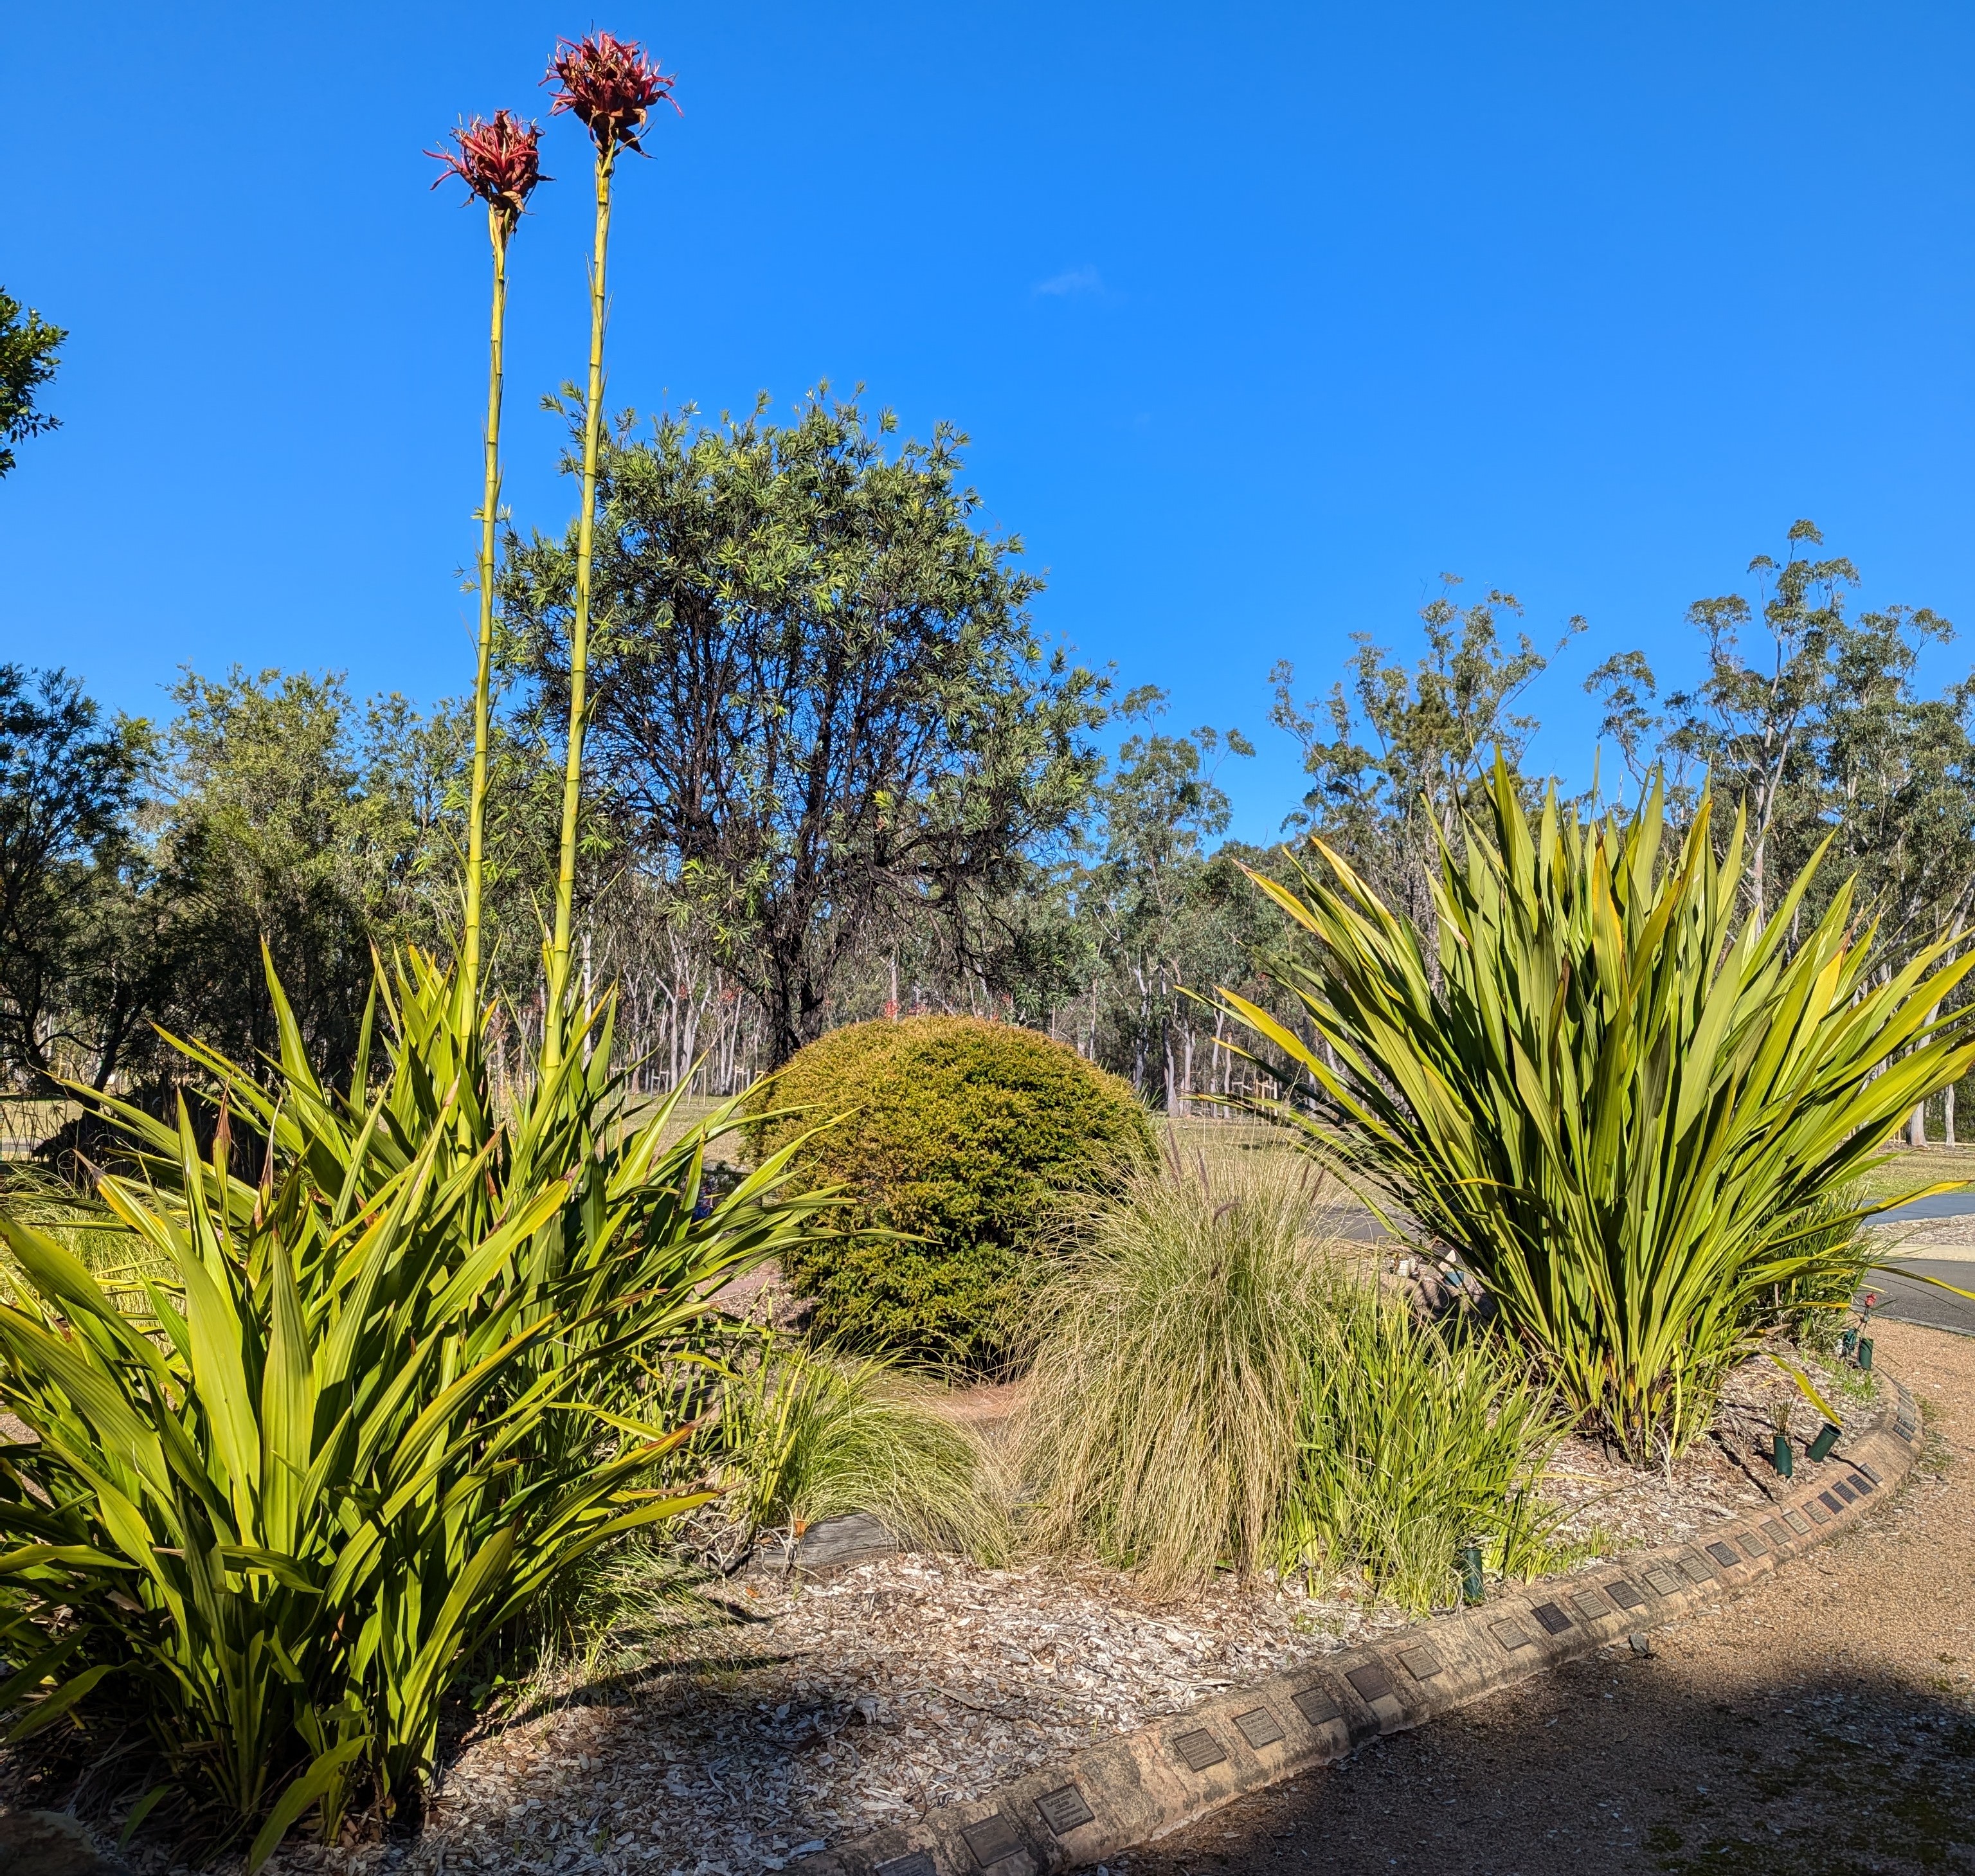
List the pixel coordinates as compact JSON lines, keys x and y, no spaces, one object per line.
{"x":818,"y":708}
{"x":29,"y":351}
{"x":68,"y":782}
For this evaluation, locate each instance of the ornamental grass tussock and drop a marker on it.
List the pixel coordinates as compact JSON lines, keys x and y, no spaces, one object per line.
{"x":1218,"y":1384}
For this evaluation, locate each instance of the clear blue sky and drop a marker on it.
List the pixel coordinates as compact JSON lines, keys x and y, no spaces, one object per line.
{"x":1258,"y":317}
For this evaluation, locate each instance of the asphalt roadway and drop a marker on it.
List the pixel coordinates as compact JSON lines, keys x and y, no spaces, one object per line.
{"x":1942,"y":1247}
{"x":1906,"y":1297}
{"x":1905,"y":1294}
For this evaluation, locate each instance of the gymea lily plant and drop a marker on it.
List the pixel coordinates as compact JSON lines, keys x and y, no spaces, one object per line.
{"x":609,"y":86}
{"x":339,"y":1424}
{"x":499,"y":160}
{"x":334,"y":1428}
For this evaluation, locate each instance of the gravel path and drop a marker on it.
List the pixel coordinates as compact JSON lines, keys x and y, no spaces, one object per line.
{"x":1823,"y":1725}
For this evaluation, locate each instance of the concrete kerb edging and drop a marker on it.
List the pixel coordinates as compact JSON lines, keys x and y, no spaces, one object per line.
{"x":1095,"y":1803}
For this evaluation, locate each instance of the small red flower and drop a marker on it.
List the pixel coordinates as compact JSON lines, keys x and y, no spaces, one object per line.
{"x":611,"y":85}
{"x":500,"y":161}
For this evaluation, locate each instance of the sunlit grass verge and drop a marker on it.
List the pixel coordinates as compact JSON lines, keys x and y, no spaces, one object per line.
{"x":1174,"y":1344}
{"x":1411,"y":1443}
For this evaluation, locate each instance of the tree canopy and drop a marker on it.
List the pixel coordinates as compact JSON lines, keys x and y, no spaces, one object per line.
{"x":837,"y":776}
{"x":819,"y":710}
{"x":30,"y":350}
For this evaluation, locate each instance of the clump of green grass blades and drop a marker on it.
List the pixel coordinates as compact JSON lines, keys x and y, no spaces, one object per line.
{"x":1214,"y":1387}
{"x":1174,"y":1342}
{"x":353,"y":1417}
{"x":805,"y":1435}
{"x":1625,"y":1103}
{"x":1411,"y":1442}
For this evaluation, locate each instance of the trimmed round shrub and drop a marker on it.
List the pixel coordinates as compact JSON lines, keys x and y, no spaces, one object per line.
{"x":960,"y":1136}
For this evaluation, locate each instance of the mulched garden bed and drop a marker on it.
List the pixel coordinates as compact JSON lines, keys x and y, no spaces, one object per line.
{"x":790,"y":1715}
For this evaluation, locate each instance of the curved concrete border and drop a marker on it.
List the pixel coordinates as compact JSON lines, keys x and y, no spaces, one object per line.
{"x":1095,"y":1803}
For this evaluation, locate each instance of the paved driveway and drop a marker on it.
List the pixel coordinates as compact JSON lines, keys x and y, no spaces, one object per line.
{"x":1906,"y":1299}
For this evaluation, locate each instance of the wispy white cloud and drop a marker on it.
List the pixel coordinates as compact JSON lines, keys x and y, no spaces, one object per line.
{"x":1073,"y":282}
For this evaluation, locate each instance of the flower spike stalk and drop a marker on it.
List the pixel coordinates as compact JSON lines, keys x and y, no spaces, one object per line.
{"x":500,"y":162}
{"x":609,"y":86}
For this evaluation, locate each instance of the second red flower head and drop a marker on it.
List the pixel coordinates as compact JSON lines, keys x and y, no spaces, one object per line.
{"x":500,"y":161}
{"x":610,"y":86}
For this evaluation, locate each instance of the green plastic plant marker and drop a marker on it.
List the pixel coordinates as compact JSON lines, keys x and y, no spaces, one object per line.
{"x":1785,"y":1461}
{"x":1820,"y":1447}
{"x":1472,"y":1589}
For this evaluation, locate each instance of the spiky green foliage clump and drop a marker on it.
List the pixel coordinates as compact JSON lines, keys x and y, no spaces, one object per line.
{"x":805,"y":1435}
{"x":370,"y":1408}
{"x":1812,"y":1310}
{"x":961,"y":1137}
{"x":1412,"y":1441}
{"x":1624,"y":1104}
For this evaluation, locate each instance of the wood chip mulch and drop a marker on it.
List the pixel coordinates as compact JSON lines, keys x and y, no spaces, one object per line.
{"x":735,"y":1734}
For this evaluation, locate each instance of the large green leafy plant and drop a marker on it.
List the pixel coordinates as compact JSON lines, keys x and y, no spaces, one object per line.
{"x":338,"y":1425}
{"x":1626,"y":1106}
{"x":359,"y":1413}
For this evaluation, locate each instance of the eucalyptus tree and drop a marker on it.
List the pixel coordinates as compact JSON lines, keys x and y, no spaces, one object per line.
{"x":287,"y":817}
{"x":816,"y":705}
{"x":30,"y":350}
{"x":1409,"y":752}
{"x":1815,"y":724}
{"x":1754,"y":722}
{"x":1160,"y":805}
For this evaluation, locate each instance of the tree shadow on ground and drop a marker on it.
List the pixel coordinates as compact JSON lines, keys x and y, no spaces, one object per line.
{"x":1615,"y":1764}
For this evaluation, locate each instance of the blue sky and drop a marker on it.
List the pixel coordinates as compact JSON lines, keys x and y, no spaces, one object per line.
{"x":1258,"y":317}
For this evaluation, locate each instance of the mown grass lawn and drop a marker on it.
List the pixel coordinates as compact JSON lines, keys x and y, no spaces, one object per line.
{"x":1912,"y":1167}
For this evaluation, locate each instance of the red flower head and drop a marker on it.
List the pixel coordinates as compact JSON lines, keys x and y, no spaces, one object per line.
{"x":501,"y":162}
{"x":611,"y":85}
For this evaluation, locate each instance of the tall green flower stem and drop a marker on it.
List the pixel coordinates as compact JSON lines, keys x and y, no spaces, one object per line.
{"x":500,"y":162}
{"x":579,"y":631}
{"x":609,"y":86}
{"x":500,"y":226}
